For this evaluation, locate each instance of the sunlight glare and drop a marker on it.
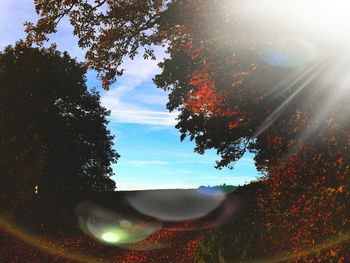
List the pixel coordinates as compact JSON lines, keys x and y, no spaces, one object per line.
{"x":325,"y":20}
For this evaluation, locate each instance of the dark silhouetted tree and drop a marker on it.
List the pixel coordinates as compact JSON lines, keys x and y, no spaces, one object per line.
{"x":53,"y":130}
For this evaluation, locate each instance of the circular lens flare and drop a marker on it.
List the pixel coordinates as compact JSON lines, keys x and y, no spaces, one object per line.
{"x":288,"y":52}
{"x":110,"y":237}
{"x":110,"y":227}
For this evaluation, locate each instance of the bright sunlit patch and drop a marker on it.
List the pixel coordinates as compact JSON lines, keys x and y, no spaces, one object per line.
{"x":309,"y":39}
{"x":110,"y":237}
{"x":327,"y":21}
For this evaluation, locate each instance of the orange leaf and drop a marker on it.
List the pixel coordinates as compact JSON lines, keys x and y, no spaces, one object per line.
{"x":340,"y":160}
{"x":341,"y":188}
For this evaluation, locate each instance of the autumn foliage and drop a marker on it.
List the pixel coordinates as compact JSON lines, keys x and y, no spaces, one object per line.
{"x":303,"y":207}
{"x":231,"y":100}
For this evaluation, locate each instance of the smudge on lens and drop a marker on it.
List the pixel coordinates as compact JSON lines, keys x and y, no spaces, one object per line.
{"x":175,"y":205}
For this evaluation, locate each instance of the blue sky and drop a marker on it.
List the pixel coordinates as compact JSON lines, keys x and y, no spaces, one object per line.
{"x":152,"y":155}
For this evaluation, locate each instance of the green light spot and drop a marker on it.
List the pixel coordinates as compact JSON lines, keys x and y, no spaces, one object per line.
{"x":110,"y":237}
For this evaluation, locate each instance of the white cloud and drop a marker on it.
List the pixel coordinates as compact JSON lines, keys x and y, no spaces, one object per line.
{"x":124,"y":112}
{"x":139,"y":69}
{"x":147,"y":162}
{"x":137,"y":185}
{"x":124,"y":100}
{"x":153,"y":99}
{"x":199,"y":161}
{"x":141,"y":116}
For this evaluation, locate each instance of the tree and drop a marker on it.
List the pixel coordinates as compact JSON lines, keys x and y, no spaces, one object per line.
{"x":232,"y":99}
{"x":54,"y":131}
{"x":109,"y":29}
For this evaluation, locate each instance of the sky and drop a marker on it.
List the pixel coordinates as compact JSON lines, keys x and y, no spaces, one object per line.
{"x":152,"y":155}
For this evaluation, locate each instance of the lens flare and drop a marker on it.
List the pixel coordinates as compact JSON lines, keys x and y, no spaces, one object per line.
{"x":110,"y":237}
{"x":109,"y":227}
{"x":288,"y":52}
{"x":175,"y":205}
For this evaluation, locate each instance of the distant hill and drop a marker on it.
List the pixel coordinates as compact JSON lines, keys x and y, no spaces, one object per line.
{"x":224,"y":188}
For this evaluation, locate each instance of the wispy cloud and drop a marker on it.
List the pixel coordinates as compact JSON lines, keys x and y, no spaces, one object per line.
{"x":147,"y":162}
{"x":126,"y":103}
{"x":137,"y":185}
{"x":128,"y":112}
{"x":141,"y":116}
{"x":196,"y":161}
{"x":152,"y":99}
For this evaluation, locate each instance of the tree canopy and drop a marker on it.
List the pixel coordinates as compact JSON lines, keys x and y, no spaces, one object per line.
{"x":110,"y":30}
{"x":53,"y":130}
{"x":207,"y":60}
{"x":217,"y":72}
